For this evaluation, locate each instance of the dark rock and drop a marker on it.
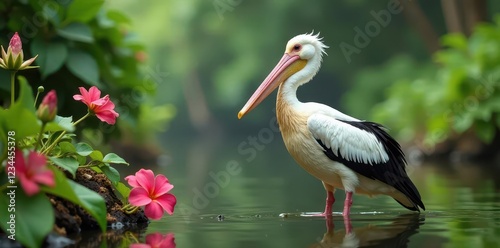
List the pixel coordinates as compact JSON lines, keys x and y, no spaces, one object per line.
{"x":71,"y":218}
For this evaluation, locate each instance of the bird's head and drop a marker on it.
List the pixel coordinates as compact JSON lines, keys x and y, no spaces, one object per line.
{"x":300,"y":63}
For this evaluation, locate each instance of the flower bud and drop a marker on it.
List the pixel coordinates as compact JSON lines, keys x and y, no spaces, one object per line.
{"x":13,"y":59}
{"x":48,"y":108}
{"x":16,"y":45}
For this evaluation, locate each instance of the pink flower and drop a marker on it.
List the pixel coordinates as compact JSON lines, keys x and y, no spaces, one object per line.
{"x":157,"y":240}
{"x":13,"y":59}
{"x":32,"y":172}
{"x":103,"y":107}
{"x":151,"y":192}
{"x":48,"y":108}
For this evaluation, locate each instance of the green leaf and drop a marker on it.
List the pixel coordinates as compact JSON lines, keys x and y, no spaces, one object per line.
{"x":34,"y":217}
{"x":83,"y":66}
{"x":112,"y":174}
{"x":81,"y":159}
{"x":118,"y":17}
{"x":83,"y":10}
{"x":67,"y":147}
{"x":83,"y":149}
{"x":113,"y":159}
{"x":21,"y":116}
{"x":70,"y":164}
{"x":96,"y":155}
{"x":77,"y":32}
{"x":89,"y":200}
{"x":65,"y":122}
{"x":122,"y":189}
{"x":51,"y":55}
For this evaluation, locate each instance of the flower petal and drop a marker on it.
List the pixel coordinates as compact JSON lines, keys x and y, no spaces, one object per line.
{"x":107,"y":116}
{"x":99,"y":102}
{"x":168,"y":241}
{"x":167,"y":202}
{"x":153,"y":210}
{"x":36,"y":160}
{"x":94,"y":93}
{"x":132,"y":181}
{"x":162,"y":185}
{"x":4,"y":54}
{"x":85,"y":95}
{"x":29,"y":186}
{"x":46,"y":177}
{"x":139,"y":197}
{"x":105,"y":111}
{"x":107,"y":104}
{"x":146,"y":179}
{"x":154,"y":239}
{"x":136,"y":245}
{"x":28,"y":62}
{"x":78,"y":97}
{"x":19,"y":162}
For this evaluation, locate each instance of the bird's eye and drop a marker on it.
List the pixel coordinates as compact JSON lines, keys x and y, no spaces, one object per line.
{"x":297,"y":47}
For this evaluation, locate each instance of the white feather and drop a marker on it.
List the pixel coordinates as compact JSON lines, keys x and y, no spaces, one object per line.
{"x":352,"y":143}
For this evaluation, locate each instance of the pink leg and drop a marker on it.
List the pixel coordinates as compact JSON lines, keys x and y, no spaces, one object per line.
{"x":330,"y":199}
{"x":347,"y":224}
{"x":347,"y":203}
{"x":329,"y":224}
{"x":347,"y":212}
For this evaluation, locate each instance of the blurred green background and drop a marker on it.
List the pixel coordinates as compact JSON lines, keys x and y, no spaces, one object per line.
{"x":428,"y":70}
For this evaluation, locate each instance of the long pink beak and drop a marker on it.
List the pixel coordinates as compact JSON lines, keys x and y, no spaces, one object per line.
{"x":284,"y":69}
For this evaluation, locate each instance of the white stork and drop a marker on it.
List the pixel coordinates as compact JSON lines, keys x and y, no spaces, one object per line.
{"x":341,"y":151}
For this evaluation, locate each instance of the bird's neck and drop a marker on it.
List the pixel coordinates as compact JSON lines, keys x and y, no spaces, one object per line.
{"x":287,"y":106}
{"x":287,"y":103}
{"x":287,"y":95}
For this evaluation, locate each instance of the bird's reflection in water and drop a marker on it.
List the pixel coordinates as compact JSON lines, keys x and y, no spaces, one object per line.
{"x":395,"y":234}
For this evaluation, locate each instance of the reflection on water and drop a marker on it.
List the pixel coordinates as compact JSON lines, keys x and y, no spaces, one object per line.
{"x":242,"y":209}
{"x":394,"y":234}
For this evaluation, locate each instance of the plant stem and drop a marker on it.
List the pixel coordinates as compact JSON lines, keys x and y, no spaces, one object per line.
{"x":81,"y":119}
{"x":39,"y":140}
{"x":12,"y":87}
{"x":36,"y":98}
{"x":46,"y":151}
{"x":129,"y":209}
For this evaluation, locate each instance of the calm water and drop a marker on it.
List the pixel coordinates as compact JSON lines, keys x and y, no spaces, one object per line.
{"x":230,"y":197}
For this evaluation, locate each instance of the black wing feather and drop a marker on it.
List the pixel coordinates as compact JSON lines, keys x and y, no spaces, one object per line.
{"x":392,"y":172}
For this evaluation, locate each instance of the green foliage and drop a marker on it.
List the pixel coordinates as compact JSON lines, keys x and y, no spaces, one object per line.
{"x":462,"y":95}
{"x":80,"y":43}
{"x":27,"y":209}
{"x":34,"y":214}
{"x":372,"y":83}
{"x":229,"y":51}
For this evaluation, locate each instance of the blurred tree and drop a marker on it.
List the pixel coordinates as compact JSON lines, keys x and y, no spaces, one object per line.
{"x":458,"y":104}
{"x":224,"y":55}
